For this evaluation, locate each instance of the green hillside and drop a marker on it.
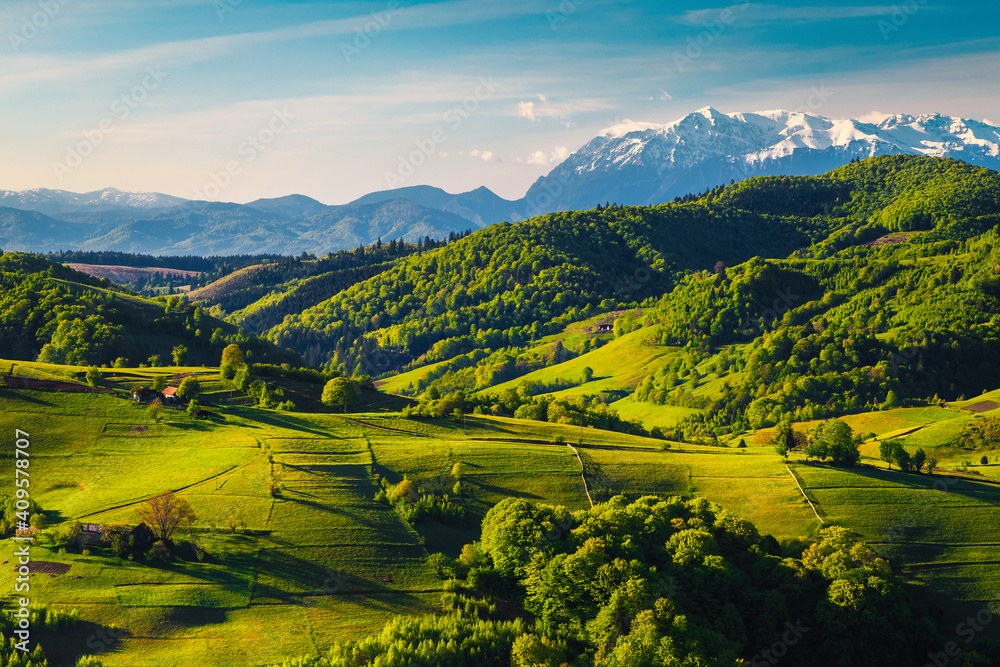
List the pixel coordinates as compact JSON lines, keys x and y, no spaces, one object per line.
{"x":53,"y":314}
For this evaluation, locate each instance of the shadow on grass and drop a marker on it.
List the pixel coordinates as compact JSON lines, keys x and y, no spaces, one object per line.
{"x":284,"y":421}
{"x":967,"y":488}
{"x":24,"y":396}
{"x":65,"y":647}
{"x":499,"y":490}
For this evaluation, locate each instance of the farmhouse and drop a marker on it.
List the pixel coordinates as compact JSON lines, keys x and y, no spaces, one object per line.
{"x":170,"y":394}
{"x":144,"y":395}
{"x":95,"y":535}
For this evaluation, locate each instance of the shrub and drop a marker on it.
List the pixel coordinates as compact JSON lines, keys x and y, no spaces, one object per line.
{"x":159,"y":552}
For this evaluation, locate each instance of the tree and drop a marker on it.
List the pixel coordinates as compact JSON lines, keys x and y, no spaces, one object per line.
{"x":891,"y":400}
{"x":160,"y":382}
{"x":93,"y":376}
{"x":166,"y":513}
{"x":193,"y":408}
{"x":931,"y":464}
{"x":903,"y":459}
{"x":155,"y":410}
{"x":180,"y":354}
{"x":190,"y":387}
{"x":784,"y":439}
{"x":985,"y":460}
{"x":781,"y":449}
{"x":919,"y":458}
{"x":227,"y":371}
{"x":834,"y":438}
{"x":588,"y":374}
{"x":887,"y":451}
{"x":242,"y":378}
{"x":339,"y":391}
{"x":233,"y":356}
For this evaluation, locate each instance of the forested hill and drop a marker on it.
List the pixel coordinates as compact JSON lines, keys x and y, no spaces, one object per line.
{"x":54,"y":314}
{"x":510,"y":283}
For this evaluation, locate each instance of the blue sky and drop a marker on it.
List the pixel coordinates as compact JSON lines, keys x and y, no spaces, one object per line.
{"x":244,"y":99}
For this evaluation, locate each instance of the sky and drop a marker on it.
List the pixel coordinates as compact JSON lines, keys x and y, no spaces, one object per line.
{"x":234,"y":100}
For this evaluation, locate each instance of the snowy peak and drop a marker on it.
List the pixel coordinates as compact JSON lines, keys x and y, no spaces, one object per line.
{"x":636,"y":162}
{"x":56,"y":202}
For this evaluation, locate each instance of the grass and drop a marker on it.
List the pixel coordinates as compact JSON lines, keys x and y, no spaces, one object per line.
{"x":618,"y":366}
{"x":939,"y":533}
{"x":322,"y":561}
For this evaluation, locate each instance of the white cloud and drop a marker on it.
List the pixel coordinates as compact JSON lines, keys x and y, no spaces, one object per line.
{"x":561,"y":110}
{"x":548,"y":159}
{"x":875,"y":117}
{"x":620,"y":129}
{"x":748,"y":14}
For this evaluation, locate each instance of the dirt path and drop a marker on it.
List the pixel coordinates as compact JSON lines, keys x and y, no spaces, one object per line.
{"x":582,"y":475}
{"x":796,"y":480}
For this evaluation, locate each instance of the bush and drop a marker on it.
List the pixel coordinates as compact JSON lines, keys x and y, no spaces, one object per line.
{"x":159,"y":552}
{"x":190,"y":387}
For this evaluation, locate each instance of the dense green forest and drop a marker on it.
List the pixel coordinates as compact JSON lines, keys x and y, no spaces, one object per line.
{"x":657,"y":581}
{"x":53,"y":314}
{"x":510,"y":283}
{"x":877,"y":313}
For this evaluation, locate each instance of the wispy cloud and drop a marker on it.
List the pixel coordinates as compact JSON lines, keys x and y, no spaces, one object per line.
{"x":548,"y":159}
{"x":35,"y":69}
{"x":757,"y":14}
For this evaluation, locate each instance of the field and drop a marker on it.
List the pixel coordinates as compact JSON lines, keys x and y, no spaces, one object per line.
{"x":314,"y":559}
{"x":618,"y":366}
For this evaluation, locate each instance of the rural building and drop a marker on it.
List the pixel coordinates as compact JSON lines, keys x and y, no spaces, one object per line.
{"x":605,"y":328}
{"x":143,"y":536}
{"x":95,"y":535}
{"x":90,"y":535}
{"x":170,"y":394}
{"x":144,"y":395}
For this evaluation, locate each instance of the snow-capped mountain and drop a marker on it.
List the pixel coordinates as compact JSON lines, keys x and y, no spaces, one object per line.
{"x":58,"y":202}
{"x":644,"y":163}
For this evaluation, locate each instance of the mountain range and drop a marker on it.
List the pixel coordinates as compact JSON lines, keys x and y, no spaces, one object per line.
{"x":630,"y":163}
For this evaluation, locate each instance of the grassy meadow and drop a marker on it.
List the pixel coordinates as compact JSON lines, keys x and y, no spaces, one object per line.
{"x":314,"y":559}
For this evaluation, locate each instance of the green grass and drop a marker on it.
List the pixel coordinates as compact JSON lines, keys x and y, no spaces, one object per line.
{"x":618,"y":366}
{"x":323,"y":562}
{"x":664,"y":416}
{"x":940,"y":533}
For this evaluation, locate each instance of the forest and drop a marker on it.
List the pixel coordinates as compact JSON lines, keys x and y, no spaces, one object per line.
{"x":657,"y":581}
